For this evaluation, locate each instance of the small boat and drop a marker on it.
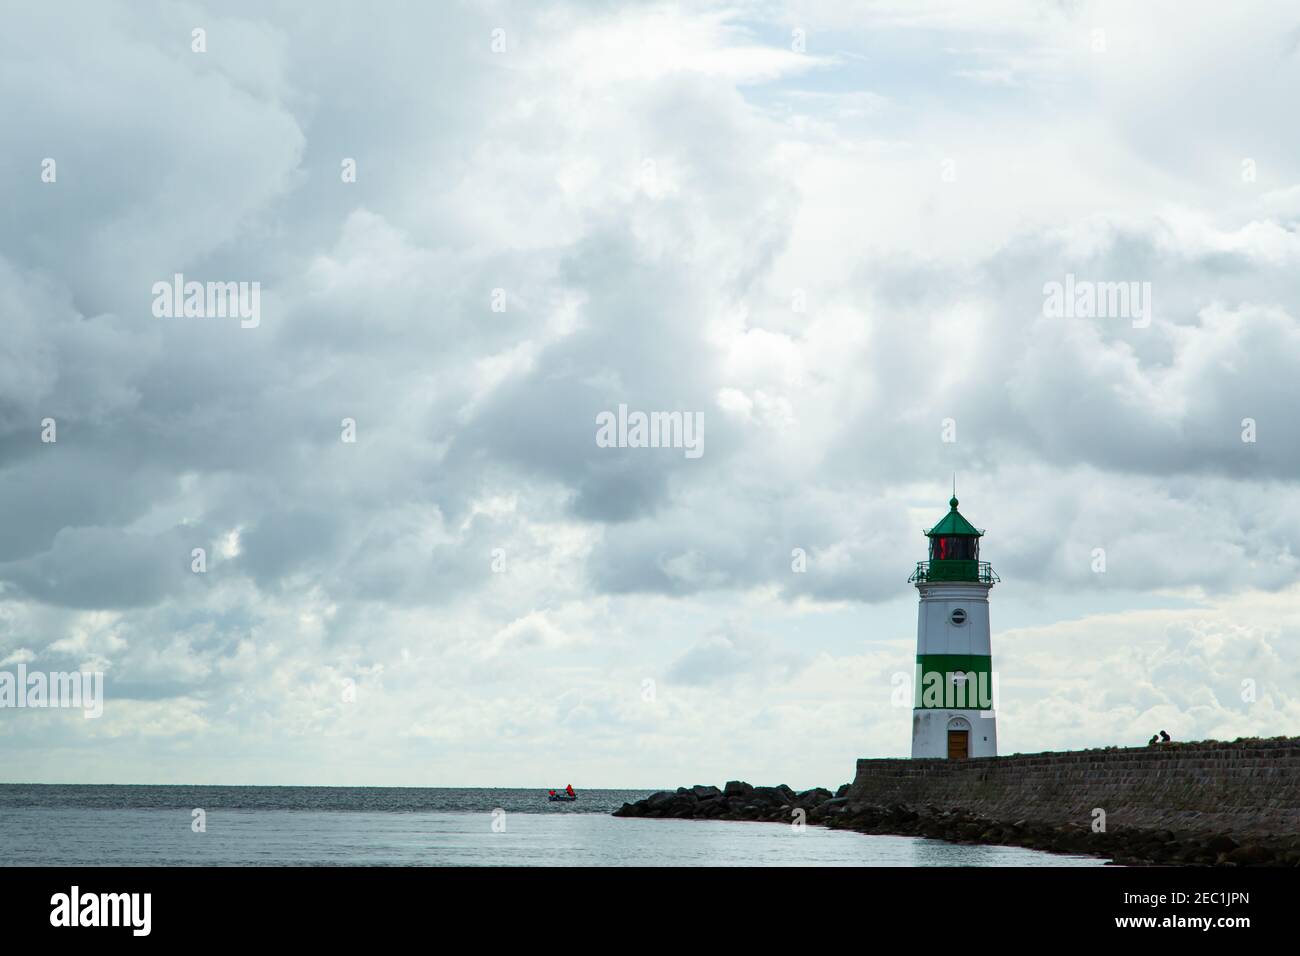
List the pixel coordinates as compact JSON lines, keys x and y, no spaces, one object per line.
{"x":561,"y":796}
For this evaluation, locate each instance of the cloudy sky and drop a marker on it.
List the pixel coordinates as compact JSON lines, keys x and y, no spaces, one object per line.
{"x":826,"y":227}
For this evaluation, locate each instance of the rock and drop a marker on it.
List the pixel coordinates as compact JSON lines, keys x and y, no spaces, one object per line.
{"x":816,"y":795}
{"x":1221,"y":844}
{"x":1252,"y":855}
{"x":705,"y":793}
{"x":737,"y":788}
{"x":771,"y":796}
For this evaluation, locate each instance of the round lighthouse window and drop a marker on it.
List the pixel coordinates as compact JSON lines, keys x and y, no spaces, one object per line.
{"x":958,"y":617}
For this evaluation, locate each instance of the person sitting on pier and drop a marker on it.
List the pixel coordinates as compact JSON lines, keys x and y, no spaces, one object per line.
{"x":1155,"y":739}
{"x":1164,"y":737}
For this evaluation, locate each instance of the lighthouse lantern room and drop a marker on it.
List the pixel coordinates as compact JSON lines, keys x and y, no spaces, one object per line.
{"x":953,"y":713}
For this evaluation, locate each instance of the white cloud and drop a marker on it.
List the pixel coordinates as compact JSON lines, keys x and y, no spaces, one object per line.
{"x":683,"y":213}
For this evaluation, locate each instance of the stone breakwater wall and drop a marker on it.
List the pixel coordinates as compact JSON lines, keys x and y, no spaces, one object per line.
{"x":1191,"y":804}
{"x":1244,"y":788}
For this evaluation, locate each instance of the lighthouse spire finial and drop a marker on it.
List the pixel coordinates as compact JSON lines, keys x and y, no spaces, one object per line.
{"x":953,"y":502}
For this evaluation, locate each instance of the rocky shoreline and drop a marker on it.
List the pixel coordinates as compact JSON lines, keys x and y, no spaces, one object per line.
{"x":1125,"y":846}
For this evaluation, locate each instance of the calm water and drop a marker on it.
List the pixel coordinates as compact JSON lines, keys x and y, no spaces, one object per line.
{"x":329,"y":826}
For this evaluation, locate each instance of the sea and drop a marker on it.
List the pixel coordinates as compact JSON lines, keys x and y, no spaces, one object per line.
{"x":100,"y":825}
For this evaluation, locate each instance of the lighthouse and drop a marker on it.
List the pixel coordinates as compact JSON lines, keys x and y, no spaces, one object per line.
{"x":953,"y":712}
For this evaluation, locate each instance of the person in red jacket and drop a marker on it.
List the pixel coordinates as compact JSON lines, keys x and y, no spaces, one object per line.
{"x":569,"y":789}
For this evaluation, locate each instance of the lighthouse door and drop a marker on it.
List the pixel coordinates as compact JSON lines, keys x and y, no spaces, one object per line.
{"x":958,"y":744}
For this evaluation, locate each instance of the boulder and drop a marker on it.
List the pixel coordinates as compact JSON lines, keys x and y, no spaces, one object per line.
{"x":767,"y":795}
{"x":737,"y":788}
{"x":814,"y":796}
{"x":1251,"y":855}
{"x":1221,"y":844}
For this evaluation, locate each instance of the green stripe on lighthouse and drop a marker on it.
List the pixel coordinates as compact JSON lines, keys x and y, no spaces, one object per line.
{"x":939,"y":688}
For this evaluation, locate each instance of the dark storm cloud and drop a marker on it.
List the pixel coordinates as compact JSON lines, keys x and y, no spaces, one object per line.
{"x":92,"y":567}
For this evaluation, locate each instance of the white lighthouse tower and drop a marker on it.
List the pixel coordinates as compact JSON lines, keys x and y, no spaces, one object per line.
{"x":953,"y":713}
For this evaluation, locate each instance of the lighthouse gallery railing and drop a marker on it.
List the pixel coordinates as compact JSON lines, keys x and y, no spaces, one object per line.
{"x":977,"y":571}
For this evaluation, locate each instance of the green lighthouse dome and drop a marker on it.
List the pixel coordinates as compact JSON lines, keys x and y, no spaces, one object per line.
{"x":954,"y":551}
{"x":954,"y":525}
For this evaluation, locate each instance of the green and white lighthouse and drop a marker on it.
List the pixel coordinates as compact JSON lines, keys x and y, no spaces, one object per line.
{"x":953,"y":713}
